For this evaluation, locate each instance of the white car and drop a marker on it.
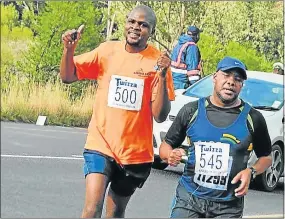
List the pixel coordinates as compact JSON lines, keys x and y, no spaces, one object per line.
{"x":262,"y":90}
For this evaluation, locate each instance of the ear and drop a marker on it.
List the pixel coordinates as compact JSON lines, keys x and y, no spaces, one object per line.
{"x":153,"y":31}
{"x":214,"y":77}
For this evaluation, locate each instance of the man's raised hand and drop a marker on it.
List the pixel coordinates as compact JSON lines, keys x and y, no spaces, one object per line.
{"x":163,"y":63}
{"x":71,"y":37}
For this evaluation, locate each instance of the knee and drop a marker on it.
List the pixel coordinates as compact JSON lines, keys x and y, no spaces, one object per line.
{"x":118,"y":212}
{"x":91,"y":211}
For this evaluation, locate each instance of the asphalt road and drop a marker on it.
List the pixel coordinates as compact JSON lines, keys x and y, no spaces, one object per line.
{"x":42,"y":176}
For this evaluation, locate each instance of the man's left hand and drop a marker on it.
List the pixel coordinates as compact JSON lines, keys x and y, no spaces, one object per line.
{"x":244,"y":178}
{"x":163,"y":63}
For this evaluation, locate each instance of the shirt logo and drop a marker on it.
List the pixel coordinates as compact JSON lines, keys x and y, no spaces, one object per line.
{"x":140,"y":73}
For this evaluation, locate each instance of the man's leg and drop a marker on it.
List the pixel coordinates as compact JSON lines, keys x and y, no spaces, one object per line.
{"x":116,"y":205}
{"x":96,"y":184}
{"x":98,"y":169}
{"x":185,"y":205}
{"x":230,"y":209}
{"x":123,"y":187}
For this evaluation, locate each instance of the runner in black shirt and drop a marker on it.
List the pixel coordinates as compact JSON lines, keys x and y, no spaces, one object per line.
{"x":221,"y":131}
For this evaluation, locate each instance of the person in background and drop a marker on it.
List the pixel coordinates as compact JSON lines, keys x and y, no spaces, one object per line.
{"x":186,"y":65}
{"x":278,"y":68}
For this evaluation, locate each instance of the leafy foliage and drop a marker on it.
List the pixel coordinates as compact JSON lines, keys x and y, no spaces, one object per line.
{"x":31,"y":46}
{"x":43,"y":58}
{"x":251,"y":31}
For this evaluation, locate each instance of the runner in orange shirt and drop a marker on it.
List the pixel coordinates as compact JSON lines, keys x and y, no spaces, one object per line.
{"x":135,"y":86}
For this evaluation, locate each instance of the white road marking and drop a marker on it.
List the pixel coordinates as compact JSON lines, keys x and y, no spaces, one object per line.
{"x":40,"y":135}
{"x":80,"y":157}
{"x":265,"y":216}
{"x":45,"y":130}
{"x":77,"y":156}
{"x":42,"y":157}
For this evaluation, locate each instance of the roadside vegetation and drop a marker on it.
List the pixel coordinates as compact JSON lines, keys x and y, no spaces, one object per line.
{"x":31,"y":47}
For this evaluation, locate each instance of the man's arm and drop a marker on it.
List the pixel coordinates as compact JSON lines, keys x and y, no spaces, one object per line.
{"x":67,"y":68}
{"x":161,"y":105}
{"x":262,"y":164}
{"x":171,"y":156}
{"x":262,"y":148}
{"x":261,"y":143}
{"x":176,"y":134}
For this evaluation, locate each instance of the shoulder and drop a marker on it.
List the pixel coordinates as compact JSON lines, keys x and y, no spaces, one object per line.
{"x":153,"y":50}
{"x":258,"y":119}
{"x":190,"y":108}
{"x":105,"y":49}
{"x":255,"y":115}
{"x":192,"y":47}
{"x":110,"y":45}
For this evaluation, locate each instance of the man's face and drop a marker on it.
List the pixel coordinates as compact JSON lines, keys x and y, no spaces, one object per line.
{"x":194,"y":36}
{"x":278,"y":71}
{"x":137,"y":29}
{"x":227,"y":85}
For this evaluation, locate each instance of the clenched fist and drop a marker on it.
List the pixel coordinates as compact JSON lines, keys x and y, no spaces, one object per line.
{"x":71,"y":37}
{"x":175,"y":156}
{"x":163,"y":63}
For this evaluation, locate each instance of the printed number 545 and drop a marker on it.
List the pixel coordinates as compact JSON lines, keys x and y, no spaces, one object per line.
{"x":214,"y":161}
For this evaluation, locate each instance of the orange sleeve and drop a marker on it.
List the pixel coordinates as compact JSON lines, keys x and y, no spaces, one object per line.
{"x":169,"y":84}
{"x":88,"y":65}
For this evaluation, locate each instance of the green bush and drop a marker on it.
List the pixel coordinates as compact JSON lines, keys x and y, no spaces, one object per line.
{"x":9,"y":17}
{"x":249,"y":56}
{"x":43,"y":58}
{"x":212,"y":51}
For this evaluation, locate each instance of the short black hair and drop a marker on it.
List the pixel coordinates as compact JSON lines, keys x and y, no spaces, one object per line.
{"x":148,"y":12}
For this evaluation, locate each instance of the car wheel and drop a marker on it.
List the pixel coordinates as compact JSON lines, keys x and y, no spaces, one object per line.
{"x":268,"y":180}
{"x":158,"y":163}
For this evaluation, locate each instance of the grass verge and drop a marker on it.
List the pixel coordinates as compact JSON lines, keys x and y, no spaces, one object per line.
{"x":24,"y":102}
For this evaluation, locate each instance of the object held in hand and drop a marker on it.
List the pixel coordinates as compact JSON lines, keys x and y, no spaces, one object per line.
{"x":156,"y":67}
{"x":74,"y":35}
{"x":184,"y":159}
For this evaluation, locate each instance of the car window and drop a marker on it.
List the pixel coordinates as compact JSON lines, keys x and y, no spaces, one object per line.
{"x":259,"y":93}
{"x":202,"y":88}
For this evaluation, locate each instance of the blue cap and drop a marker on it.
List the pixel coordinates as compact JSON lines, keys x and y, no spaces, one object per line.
{"x":228,"y":63}
{"x":194,"y":30}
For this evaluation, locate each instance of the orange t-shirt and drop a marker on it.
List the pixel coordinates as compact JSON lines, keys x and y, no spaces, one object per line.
{"x":122,"y":117}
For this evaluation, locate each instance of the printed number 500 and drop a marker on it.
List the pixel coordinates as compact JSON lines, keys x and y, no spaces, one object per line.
{"x":125,"y":95}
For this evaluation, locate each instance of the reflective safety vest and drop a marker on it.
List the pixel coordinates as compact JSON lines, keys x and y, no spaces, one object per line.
{"x":178,"y":65}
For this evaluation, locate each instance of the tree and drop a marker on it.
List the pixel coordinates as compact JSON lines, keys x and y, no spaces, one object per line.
{"x":43,"y":58}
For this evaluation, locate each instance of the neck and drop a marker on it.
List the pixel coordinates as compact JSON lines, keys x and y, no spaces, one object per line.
{"x":134,"y":49}
{"x":217,"y":102}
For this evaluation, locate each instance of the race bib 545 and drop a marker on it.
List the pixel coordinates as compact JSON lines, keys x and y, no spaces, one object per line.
{"x":212,"y":164}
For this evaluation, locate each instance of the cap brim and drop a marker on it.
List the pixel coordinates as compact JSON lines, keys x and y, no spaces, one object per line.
{"x":195,"y":31}
{"x":240,"y":70}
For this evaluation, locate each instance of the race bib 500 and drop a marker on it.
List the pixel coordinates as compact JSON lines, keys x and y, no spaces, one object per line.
{"x":125,"y":92}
